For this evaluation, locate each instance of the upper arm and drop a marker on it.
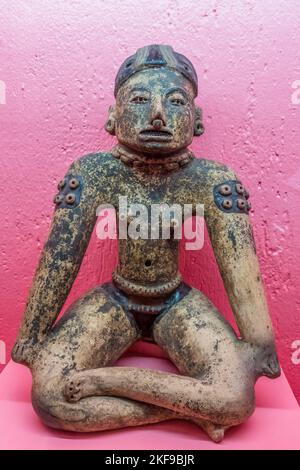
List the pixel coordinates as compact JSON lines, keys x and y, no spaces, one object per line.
{"x":75,"y":207}
{"x":226,"y":211}
{"x":225,"y":192}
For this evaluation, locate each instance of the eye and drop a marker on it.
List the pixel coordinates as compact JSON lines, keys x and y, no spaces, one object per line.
{"x":177,"y":101}
{"x":139,"y":99}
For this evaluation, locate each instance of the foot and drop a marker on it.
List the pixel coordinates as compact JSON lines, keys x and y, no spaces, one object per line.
{"x":78,"y":386}
{"x":214,"y":431}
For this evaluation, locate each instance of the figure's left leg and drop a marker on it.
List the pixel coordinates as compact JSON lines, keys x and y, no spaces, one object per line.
{"x":220,"y":389}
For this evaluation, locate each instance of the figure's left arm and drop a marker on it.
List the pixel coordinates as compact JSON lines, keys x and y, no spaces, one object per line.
{"x":227,"y":218}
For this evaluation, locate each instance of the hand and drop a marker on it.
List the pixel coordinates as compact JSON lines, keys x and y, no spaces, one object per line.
{"x":267,"y":361}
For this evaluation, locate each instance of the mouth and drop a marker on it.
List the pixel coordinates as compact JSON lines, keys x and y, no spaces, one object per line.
{"x":154,"y":135}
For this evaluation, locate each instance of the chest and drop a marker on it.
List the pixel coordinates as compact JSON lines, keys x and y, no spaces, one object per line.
{"x":149,"y":190}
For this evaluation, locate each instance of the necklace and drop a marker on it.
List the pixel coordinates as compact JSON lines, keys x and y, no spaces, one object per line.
{"x":151,"y":164}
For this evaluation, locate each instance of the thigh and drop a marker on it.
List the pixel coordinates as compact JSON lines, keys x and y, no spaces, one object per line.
{"x":94,"y":332}
{"x":200,"y":342}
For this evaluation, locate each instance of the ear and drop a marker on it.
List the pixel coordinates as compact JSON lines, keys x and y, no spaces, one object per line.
{"x":198,"y":125}
{"x":110,"y":124}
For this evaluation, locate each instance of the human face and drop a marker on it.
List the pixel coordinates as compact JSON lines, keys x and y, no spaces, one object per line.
{"x":155,"y":112}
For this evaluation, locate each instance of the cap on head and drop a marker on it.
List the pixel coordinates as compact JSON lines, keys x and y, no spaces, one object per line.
{"x":155,"y":56}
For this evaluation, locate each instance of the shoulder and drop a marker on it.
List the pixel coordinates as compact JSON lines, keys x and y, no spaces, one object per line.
{"x":213,"y":172}
{"x":96,"y":161}
{"x":86,"y":179}
{"x":94,"y":167}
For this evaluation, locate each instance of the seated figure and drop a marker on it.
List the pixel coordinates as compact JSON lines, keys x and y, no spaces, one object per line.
{"x":75,"y":387}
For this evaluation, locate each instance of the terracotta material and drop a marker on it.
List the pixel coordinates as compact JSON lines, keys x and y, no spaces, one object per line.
{"x":74,"y":387}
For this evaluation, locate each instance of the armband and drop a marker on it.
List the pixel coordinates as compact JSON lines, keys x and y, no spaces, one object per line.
{"x":69,"y":195}
{"x":232,"y":196}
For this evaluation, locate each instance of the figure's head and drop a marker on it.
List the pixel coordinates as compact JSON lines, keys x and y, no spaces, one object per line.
{"x":155,"y":110}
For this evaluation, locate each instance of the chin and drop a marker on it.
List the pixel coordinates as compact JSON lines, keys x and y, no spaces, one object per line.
{"x":158,"y":148}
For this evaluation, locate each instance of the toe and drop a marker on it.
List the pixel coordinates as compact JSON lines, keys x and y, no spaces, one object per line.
{"x":217,"y":435}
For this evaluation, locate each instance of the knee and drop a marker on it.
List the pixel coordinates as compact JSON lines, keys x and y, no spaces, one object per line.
{"x":45,"y":397}
{"x":224,"y":403}
{"x":54,"y":411}
{"x":59,"y":414}
{"x":45,"y":407}
{"x":235,"y":405}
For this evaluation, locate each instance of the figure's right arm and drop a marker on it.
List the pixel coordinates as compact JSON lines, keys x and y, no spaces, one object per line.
{"x":72,"y":225}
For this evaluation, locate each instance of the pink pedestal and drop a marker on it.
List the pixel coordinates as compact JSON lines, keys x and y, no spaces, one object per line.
{"x":274,"y":425}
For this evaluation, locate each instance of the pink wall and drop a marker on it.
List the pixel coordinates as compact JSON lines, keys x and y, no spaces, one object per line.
{"x":58,"y":61}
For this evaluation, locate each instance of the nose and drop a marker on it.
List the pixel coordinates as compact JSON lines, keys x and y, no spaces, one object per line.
{"x":158,"y":119}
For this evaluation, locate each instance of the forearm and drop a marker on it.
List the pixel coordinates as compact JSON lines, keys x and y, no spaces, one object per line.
{"x":51,"y":285}
{"x":235,"y":252}
{"x":57,"y":270}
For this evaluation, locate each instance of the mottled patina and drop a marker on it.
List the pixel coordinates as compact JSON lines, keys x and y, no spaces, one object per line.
{"x":74,"y":388}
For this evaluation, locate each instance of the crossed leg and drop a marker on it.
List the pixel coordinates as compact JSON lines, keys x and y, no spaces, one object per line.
{"x":93,"y":333}
{"x":218,"y":391}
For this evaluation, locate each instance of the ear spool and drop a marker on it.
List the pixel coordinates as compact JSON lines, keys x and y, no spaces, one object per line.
{"x":198,"y":126}
{"x":110,"y":125}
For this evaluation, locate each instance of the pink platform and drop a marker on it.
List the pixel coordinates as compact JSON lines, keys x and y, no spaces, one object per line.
{"x":274,"y":425}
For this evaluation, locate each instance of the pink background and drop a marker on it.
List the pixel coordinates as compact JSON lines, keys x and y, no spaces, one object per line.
{"x":274,"y":425}
{"x":58,"y":60}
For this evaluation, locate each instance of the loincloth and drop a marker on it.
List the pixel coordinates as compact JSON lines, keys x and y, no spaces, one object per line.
{"x":145,"y":311}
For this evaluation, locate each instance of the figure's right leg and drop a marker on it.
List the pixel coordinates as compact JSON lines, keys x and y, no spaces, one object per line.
{"x":99,"y":414}
{"x":93,"y":333}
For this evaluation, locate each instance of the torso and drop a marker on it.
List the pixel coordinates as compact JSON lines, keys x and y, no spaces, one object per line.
{"x":149,"y":267}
